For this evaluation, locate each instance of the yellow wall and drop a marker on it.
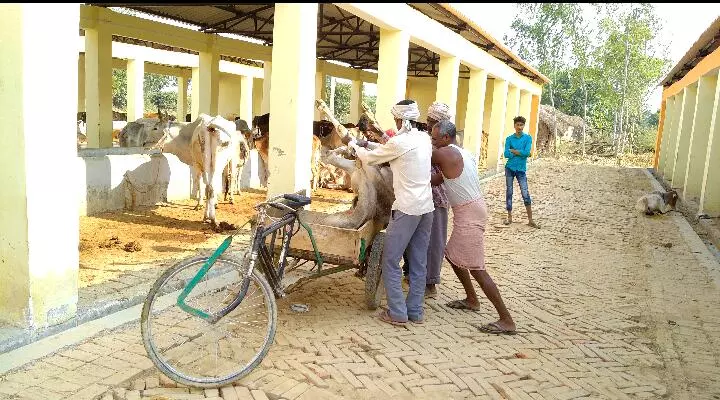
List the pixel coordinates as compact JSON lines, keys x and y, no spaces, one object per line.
{"x":257,"y":97}
{"x":422,"y":90}
{"x":488,"y":106}
{"x":461,"y":107}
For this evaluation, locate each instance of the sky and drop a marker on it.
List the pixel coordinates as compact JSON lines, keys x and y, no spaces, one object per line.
{"x":682,"y":26}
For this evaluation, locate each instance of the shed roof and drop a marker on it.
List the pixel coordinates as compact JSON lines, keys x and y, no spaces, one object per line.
{"x":342,"y":36}
{"x":708,"y":42}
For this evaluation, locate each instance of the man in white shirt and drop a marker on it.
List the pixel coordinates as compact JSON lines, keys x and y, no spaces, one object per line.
{"x":408,"y":153}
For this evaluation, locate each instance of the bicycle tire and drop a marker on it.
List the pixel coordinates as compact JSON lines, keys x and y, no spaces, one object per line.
{"x":194,"y":381}
{"x":373,"y":274}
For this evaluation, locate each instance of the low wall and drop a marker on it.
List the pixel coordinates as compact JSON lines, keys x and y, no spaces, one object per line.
{"x":114,"y":178}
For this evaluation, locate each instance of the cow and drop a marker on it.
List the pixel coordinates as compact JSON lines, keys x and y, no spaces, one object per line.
{"x":177,"y":140}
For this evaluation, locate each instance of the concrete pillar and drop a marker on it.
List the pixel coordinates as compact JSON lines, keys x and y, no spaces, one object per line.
{"x":195,"y":94}
{"x":331,"y":100}
{"x":246,"y":98}
{"x":209,"y":82}
{"x":267,"y":71}
{"x":497,"y":122}
{"x":392,"y":74}
{"x":182,"y":98}
{"x":356,"y":92}
{"x":135,"y":83}
{"x":668,"y":106}
{"x":39,"y":244}
{"x":293,"y":100}
{"x":475,"y":111}
{"x":81,"y":83}
{"x":683,"y":139}
{"x":447,"y":83}
{"x":319,"y":92}
{"x":699,"y":136}
{"x":710,"y":189}
{"x":534,"y":122}
{"x":98,"y":86}
{"x":525,"y":107}
{"x":669,"y":152}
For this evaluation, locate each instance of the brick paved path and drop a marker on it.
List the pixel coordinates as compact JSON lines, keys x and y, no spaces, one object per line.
{"x":609,"y":305}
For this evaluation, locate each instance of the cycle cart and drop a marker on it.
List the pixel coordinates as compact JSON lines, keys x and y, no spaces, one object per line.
{"x":210,"y":320}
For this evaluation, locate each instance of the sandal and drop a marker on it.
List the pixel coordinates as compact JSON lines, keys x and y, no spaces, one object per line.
{"x":507,"y":222}
{"x":495,"y":329}
{"x":385,"y":317}
{"x":417,"y":321}
{"x":534,"y":225}
{"x":462,"y":305}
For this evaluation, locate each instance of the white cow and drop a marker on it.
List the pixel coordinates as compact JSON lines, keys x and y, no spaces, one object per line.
{"x":207,"y":145}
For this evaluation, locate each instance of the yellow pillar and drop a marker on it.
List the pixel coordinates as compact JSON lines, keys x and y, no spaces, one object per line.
{"x":446,"y":90}
{"x":674,"y":133}
{"x":472,"y":138}
{"x":182,"y":98}
{"x":683,"y":140}
{"x":356,"y":101}
{"x":497,"y":122}
{"x":135,"y":81}
{"x":666,"y":135}
{"x":710,"y":189}
{"x":209,"y":82}
{"x":38,"y":244}
{"x":81,"y":83}
{"x":534,"y":122}
{"x":669,"y":153}
{"x":246,"y":98}
{"x":392,"y":74}
{"x":525,"y":107}
{"x":195,"y":94}
{"x":98,"y":86}
{"x":699,"y":136}
{"x":293,"y":100}
{"x":512,"y":109}
{"x":319,"y":92}
{"x":331,"y":100}
{"x":267,"y":73}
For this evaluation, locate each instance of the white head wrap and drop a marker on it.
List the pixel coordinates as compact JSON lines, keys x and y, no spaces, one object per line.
{"x":406,"y":113}
{"x":439,"y":112}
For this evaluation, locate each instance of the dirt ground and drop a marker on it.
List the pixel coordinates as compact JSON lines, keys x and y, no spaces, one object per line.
{"x":168,"y":231}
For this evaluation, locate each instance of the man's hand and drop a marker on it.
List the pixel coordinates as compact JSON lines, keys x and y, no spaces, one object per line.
{"x":361,"y":142}
{"x":516,"y":152}
{"x":346,"y":139}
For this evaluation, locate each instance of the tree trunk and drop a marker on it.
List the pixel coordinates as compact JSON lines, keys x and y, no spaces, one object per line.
{"x":552,"y":103}
{"x":622,"y":103}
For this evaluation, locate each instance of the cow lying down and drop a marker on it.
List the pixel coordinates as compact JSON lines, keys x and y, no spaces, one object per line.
{"x":657,"y":202}
{"x":372,"y":186}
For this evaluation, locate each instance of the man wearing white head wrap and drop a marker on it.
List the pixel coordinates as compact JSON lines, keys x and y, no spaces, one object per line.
{"x":438,"y":112}
{"x":408,"y":153}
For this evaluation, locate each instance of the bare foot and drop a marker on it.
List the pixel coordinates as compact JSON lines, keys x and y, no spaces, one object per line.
{"x":507,"y":221}
{"x":533,"y":224}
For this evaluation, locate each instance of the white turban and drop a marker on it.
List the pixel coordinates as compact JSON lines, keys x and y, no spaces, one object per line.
{"x":440,"y":112}
{"x":406,"y":113}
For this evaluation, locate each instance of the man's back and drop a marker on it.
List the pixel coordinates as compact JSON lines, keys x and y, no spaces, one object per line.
{"x":411,"y":173}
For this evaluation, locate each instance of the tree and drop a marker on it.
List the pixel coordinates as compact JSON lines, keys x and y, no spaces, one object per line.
{"x":159,"y":91}
{"x":541,"y":32}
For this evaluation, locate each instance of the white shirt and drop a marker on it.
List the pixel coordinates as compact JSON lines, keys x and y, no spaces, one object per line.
{"x":466,"y":187}
{"x":409,"y":157}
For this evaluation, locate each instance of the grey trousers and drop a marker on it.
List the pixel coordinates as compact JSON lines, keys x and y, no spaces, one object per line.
{"x":411,"y":232}
{"x":436,"y":248}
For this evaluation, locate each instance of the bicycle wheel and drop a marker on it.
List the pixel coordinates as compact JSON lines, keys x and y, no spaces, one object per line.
{"x":194,"y":352}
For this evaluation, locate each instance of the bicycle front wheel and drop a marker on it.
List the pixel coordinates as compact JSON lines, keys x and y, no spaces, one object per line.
{"x":189,"y":349}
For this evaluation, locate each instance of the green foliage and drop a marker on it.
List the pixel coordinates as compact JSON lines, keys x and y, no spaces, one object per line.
{"x":584,"y":49}
{"x":158,"y":91}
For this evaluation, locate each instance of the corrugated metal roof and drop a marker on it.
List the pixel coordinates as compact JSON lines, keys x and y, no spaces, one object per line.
{"x":708,"y":42}
{"x":342,"y":36}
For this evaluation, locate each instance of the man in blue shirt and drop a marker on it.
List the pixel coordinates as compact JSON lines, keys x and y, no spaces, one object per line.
{"x":517,"y":150}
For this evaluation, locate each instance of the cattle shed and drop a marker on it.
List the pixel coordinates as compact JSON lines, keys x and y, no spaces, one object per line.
{"x":687,"y":151}
{"x":243,"y":59}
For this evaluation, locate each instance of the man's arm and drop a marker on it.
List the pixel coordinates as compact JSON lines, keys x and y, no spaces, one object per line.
{"x":527,"y":146}
{"x":380,"y":154}
{"x":437,"y":159}
{"x":508,"y":154}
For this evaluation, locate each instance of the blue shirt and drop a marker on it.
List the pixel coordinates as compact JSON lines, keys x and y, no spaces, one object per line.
{"x":523,"y":144}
